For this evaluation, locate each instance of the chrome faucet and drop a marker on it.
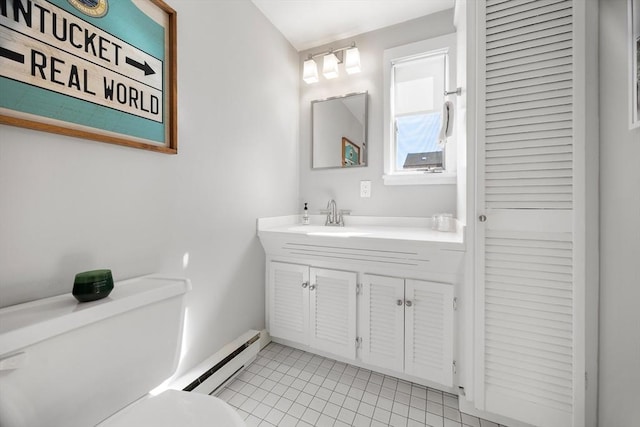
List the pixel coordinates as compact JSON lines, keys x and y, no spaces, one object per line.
{"x":334,"y":216}
{"x":332,"y":207}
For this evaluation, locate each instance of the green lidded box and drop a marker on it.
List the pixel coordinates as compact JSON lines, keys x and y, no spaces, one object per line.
{"x":92,"y":285}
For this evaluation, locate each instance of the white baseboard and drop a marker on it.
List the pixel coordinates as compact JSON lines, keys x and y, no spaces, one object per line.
{"x":265,"y":338}
{"x":468,"y":408}
{"x":195,"y":373}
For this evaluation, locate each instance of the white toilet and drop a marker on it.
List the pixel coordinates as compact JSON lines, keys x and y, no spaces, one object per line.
{"x":68,"y":364}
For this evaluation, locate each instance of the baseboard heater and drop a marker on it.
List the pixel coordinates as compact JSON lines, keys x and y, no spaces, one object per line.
{"x":223,"y":366}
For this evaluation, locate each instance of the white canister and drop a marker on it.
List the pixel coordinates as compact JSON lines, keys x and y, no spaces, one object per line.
{"x":443,"y":222}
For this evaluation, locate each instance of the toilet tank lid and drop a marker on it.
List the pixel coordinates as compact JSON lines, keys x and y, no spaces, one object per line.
{"x":25,"y":324}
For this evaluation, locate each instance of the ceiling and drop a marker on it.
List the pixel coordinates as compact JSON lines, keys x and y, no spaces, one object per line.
{"x":310,"y":23}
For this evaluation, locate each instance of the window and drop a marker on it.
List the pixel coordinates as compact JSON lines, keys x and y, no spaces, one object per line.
{"x":416,"y":77}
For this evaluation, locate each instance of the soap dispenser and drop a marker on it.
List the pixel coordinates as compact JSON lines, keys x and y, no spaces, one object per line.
{"x":305,"y":215}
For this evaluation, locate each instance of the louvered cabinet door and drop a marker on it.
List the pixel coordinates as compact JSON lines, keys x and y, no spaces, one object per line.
{"x":333,"y":311}
{"x":528,"y":325}
{"x":526,"y":350}
{"x":528,"y":105}
{"x":429,"y":331}
{"x":289,"y":301}
{"x":382,"y":321}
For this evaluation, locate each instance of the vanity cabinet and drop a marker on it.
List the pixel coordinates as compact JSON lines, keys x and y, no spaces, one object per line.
{"x":407,"y":325}
{"x":314,"y":307}
{"x":376,"y":296}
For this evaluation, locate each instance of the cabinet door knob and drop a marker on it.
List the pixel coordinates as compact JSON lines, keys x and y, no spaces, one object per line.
{"x":408,"y":303}
{"x":305,"y":284}
{"x":482,"y":218}
{"x":312,"y":287}
{"x":399,"y":302}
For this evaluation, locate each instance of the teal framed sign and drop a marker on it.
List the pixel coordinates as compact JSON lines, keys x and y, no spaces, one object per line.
{"x":350,"y":153}
{"x":98,"y":69}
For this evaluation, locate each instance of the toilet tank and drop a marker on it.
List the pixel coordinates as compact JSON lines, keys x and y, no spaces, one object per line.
{"x":64,"y":363}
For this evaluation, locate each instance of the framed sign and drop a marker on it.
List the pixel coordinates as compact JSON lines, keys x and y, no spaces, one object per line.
{"x":98,"y":69}
{"x":634,"y":63}
{"x":350,"y":153}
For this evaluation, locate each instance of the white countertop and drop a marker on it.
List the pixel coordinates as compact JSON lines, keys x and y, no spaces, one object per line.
{"x":364,"y":227}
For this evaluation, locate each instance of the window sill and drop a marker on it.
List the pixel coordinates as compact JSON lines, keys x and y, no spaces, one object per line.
{"x":417,"y":178}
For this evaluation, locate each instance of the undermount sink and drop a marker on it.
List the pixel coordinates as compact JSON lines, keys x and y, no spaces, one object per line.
{"x":323,"y":230}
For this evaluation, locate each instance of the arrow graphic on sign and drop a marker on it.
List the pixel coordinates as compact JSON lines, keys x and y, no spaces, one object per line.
{"x":14,"y":56}
{"x":143,"y":67}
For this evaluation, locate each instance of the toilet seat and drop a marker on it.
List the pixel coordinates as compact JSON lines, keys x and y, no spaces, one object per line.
{"x":173,"y":408}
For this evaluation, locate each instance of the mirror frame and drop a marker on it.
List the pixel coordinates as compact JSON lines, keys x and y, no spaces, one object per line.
{"x":365,"y":151}
{"x":634,"y":62}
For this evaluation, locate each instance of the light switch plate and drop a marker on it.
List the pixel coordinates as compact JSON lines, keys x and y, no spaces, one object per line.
{"x":365,"y":189}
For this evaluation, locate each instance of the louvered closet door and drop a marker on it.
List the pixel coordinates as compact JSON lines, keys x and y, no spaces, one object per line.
{"x":382,"y":321}
{"x":289,"y":301}
{"x":333,"y":311}
{"x":429,"y":331}
{"x":526,"y":336}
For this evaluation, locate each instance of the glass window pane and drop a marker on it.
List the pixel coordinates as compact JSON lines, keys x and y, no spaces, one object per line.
{"x":418,"y":97}
{"x":417,"y":141}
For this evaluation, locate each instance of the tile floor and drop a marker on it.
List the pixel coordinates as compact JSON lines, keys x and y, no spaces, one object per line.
{"x":289,"y":387}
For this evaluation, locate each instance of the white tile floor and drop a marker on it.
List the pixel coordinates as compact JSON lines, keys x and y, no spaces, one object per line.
{"x":288,"y":387}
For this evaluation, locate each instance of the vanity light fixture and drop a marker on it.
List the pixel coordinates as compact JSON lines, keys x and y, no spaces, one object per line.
{"x":349,"y":55}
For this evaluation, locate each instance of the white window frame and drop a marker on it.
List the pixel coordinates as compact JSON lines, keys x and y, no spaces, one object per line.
{"x":446,"y":43}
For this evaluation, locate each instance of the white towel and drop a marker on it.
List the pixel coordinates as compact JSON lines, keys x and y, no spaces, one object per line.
{"x":447,"y":123}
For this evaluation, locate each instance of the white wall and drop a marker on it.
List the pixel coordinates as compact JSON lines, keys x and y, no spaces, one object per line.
{"x":619,"y":367}
{"x":69,"y":205}
{"x":318,"y":186}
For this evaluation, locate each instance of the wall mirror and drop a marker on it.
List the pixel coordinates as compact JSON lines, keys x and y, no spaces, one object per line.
{"x":339,"y":131}
{"x":634,"y":63}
